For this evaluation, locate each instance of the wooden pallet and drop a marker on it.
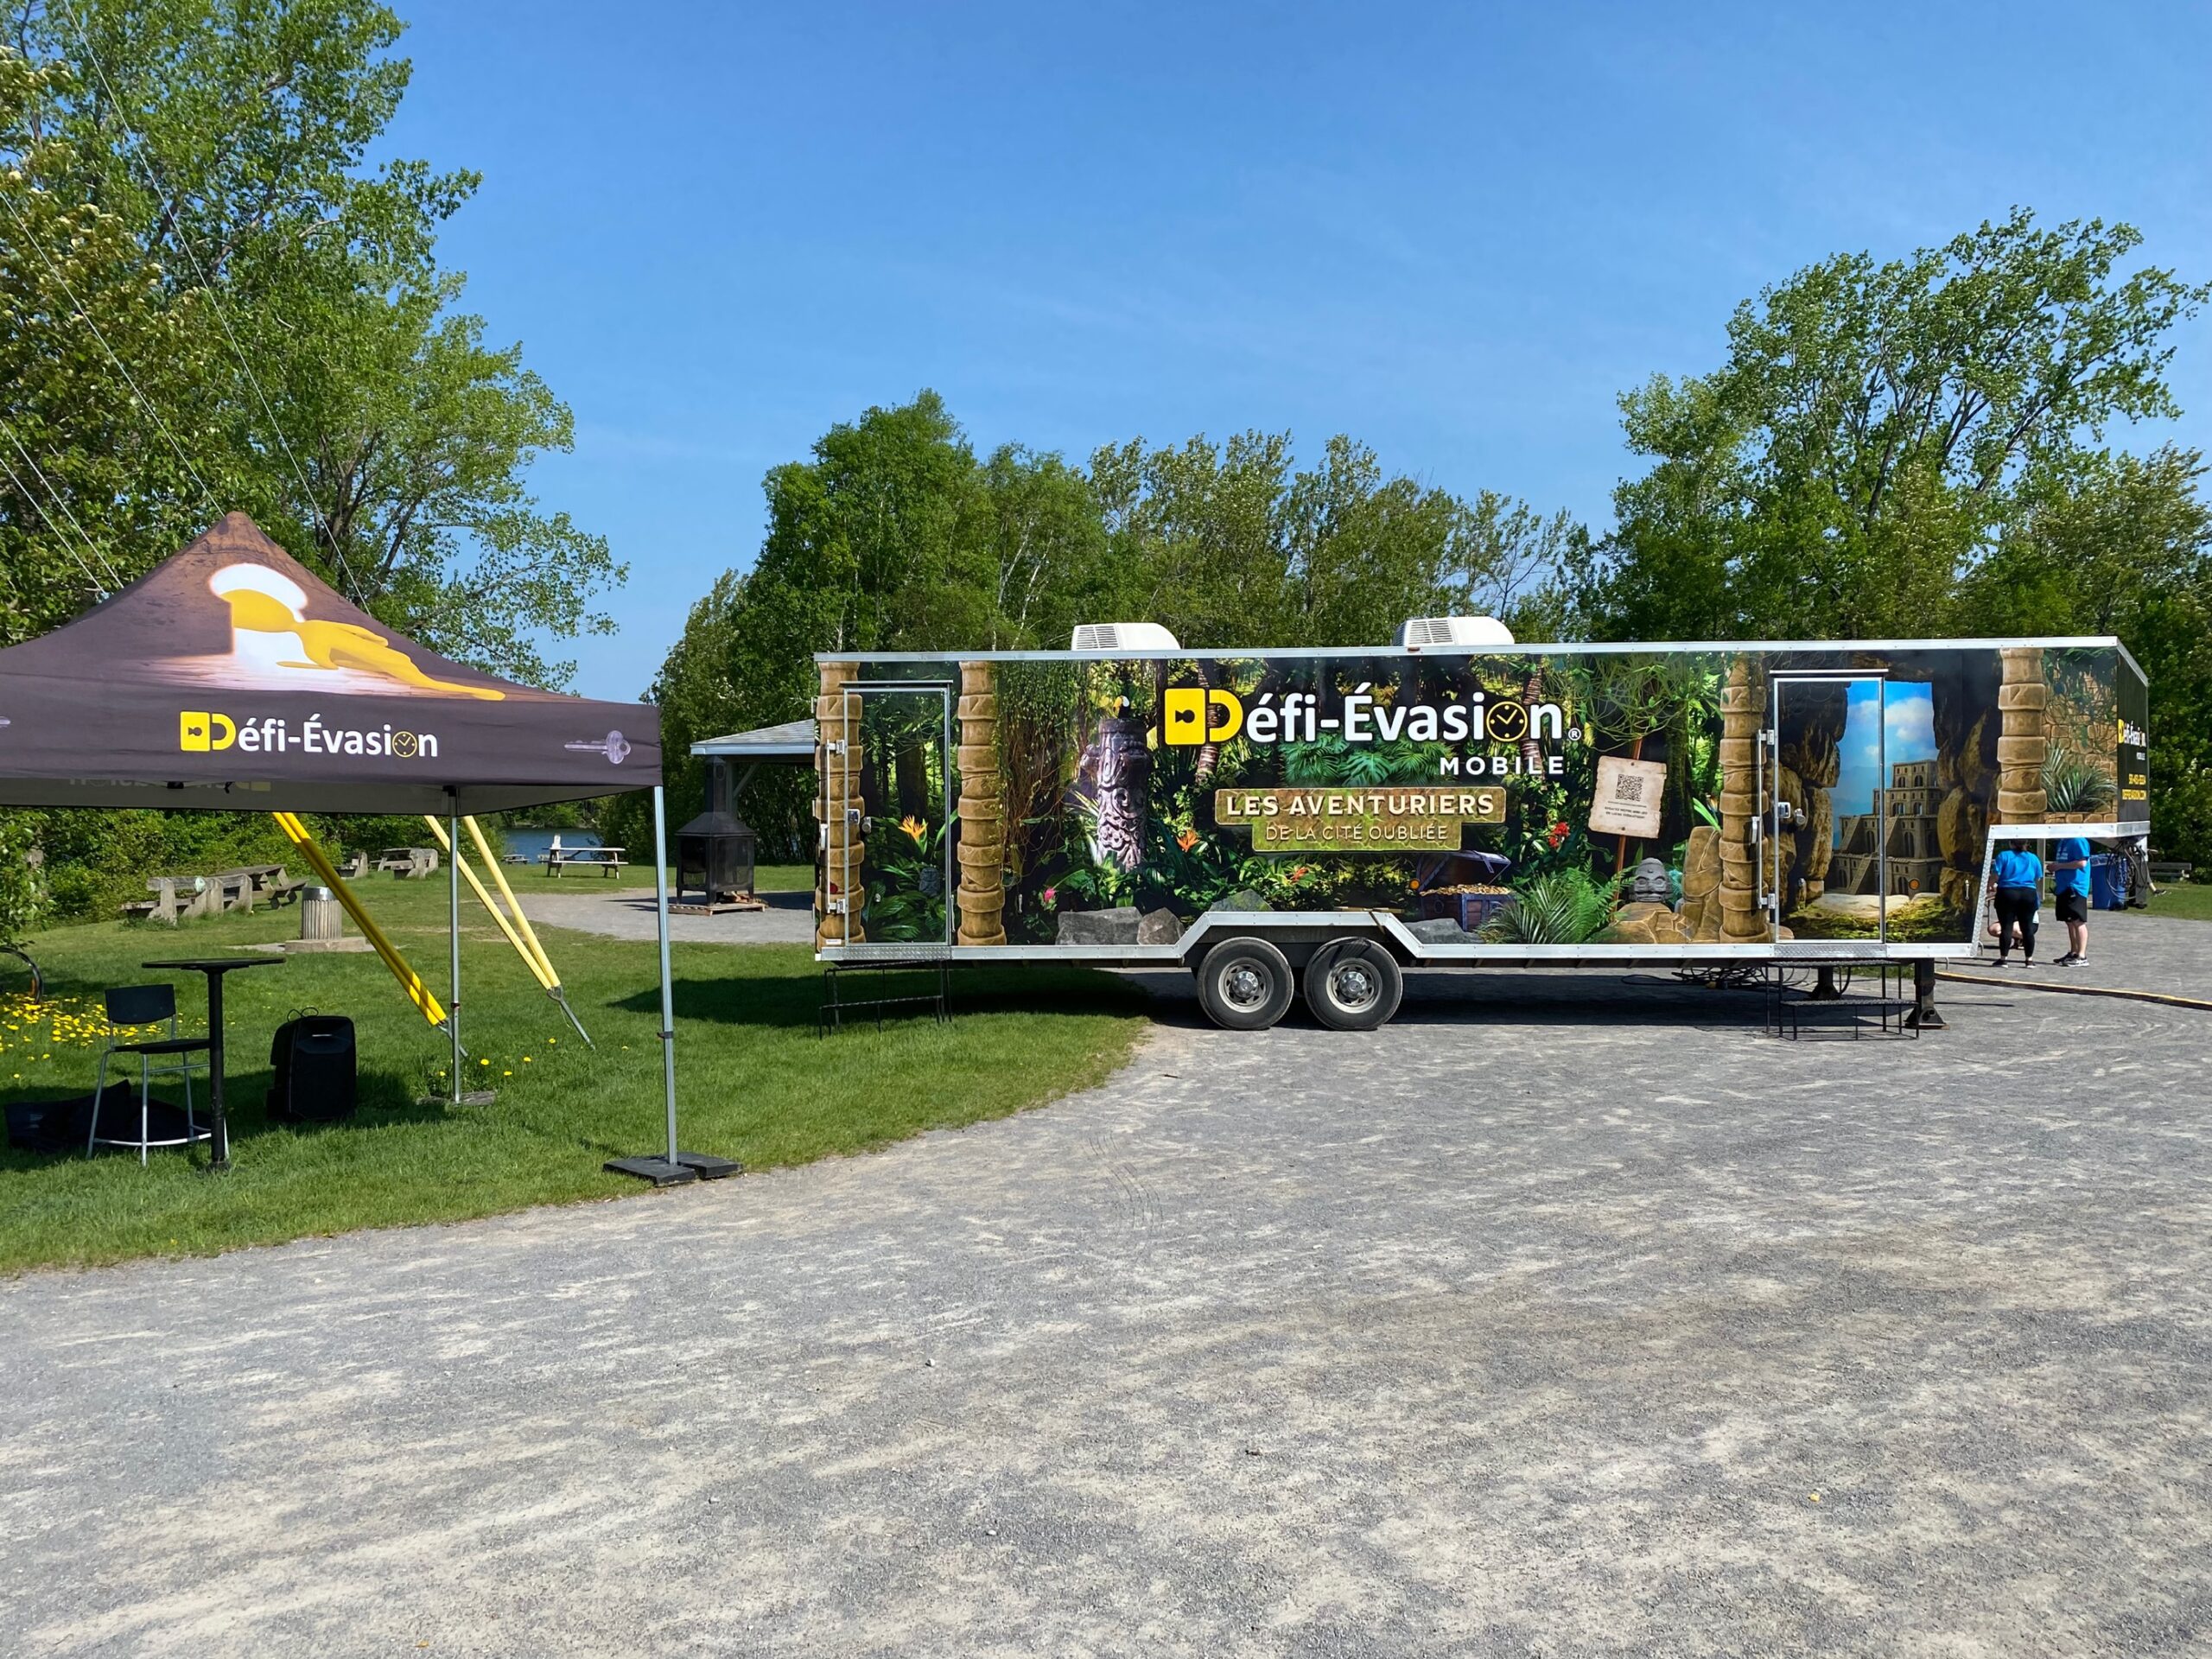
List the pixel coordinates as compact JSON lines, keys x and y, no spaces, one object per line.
{"x":717,"y":908}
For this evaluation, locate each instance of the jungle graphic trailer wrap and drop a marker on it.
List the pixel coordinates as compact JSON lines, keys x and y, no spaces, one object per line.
{"x":1612,"y":800}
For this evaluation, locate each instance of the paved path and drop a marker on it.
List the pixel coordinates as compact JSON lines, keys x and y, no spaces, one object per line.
{"x":1561,"y":1318}
{"x":2127,"y":949}
{"x":627,"y":913}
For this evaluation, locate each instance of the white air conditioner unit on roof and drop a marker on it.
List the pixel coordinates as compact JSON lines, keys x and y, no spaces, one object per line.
{"x":1419,"y":631}
{"x":1122,"y":636}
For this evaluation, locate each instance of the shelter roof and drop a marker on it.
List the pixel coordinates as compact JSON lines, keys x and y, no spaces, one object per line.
{"x":792,"y":740}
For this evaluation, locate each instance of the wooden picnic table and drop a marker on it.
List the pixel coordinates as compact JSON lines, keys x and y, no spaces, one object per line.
{"x":406,"y":861}
{"x":175,"y":897}
{"x":609,"y":860}
{"x":243,"y":886}
{"x":181,"y":898}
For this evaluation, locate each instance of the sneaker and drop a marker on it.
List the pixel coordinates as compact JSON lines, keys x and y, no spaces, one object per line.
{"x":2066,"y":961}
{"x":2078,"y":962}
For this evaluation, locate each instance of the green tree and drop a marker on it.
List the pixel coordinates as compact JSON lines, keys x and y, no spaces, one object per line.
{"x":1876,"y":431}
{"x":891,"y":536}
{"x":1232,"y":545}
{"x":221,"y":304}
{"x":2123,"y":545}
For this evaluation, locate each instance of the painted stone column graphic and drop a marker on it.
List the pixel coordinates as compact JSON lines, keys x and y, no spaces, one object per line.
{"x":1743,"y":711}
{"x":1701,"y":885}
{"x":837,"y":766}
{"x":2022,"y":743}
{"x":981,"y":893}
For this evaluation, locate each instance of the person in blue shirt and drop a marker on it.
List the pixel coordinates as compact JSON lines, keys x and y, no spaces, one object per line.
{"x":2069,"y":896}
{"x":2015,"y":874}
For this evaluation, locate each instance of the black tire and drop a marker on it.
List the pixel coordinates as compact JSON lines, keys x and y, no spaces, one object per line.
{"x":1353,"y":985}
{"x":1245,"y":984}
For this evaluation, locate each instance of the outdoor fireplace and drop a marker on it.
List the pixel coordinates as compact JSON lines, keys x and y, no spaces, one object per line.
{"x":716,"y":848}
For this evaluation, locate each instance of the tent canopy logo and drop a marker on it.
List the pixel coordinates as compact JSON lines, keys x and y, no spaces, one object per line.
{"x":200,"y":731}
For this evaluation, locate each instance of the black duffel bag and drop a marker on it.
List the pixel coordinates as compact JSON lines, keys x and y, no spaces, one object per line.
{"x":313,"y":1054}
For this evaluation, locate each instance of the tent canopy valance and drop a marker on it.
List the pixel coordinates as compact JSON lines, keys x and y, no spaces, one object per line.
{"x":230,"y":676}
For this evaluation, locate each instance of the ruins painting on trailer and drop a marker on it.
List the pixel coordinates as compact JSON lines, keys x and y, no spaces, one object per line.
{"x":1635,"y":796}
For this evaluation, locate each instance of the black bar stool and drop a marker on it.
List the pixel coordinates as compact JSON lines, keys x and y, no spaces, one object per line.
{"x":146,"y":1004}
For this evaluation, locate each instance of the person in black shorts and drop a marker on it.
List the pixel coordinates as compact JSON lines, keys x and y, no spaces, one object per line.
{"x":2069,"y":896}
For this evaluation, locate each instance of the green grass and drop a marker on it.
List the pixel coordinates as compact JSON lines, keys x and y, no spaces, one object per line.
{"x":755,"y":1083}
{"x":2192,"y":901}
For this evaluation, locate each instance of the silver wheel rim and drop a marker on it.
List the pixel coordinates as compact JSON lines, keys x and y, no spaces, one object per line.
{"x":1244,"y":987}
{"x":1354,"y":986}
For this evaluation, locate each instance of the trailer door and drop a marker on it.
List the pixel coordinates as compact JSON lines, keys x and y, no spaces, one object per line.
{"x":1824,"y":777}
{"x":896,"y":862}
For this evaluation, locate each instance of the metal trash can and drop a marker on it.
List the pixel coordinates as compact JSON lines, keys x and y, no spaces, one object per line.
{"x":321,"y":916}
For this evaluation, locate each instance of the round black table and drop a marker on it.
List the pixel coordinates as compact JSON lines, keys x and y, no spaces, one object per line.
{"x":215,"y":968}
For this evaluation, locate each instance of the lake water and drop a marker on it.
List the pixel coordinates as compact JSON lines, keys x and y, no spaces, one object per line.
{"x":530,"y":844}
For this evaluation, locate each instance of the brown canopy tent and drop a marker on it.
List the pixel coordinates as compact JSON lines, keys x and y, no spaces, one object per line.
{"x":231,"y":677}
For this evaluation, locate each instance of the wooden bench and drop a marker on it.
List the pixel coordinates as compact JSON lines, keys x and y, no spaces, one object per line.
{"x":2164,"y":869}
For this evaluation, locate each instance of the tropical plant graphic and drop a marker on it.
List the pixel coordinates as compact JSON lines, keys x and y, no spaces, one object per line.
{"x":2073,"y":784}
{"x":1564,"y":906}
{"x":905,"y":900}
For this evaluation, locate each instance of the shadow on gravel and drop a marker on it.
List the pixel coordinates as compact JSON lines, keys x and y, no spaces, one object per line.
{"x":1501,"y":996}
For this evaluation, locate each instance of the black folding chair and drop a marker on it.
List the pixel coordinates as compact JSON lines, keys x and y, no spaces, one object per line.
{"x":159,"y":1057}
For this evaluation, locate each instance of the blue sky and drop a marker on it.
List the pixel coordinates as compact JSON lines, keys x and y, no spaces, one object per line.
{"x":1457,"y":234}
{"x":1909,"y":714}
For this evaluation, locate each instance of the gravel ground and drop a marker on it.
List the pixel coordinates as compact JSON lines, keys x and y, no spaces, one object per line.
{"x":626,"y":913}
{"x":1566,"y":1316}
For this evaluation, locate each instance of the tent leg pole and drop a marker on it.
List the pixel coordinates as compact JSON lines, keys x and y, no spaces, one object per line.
{"x":667,"y":988}
{"x":453,"y":920}
{"x":676,"y":1167}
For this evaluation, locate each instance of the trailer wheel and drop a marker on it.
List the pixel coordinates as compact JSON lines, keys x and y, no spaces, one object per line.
{"x":1353,"y":985}
{"x":1244,"y":984}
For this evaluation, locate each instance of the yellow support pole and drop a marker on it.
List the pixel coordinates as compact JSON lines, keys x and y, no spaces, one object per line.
{"x":550,"y":977}
{"x":484,"y":851}
{"x":537,"y":969}
{"x":409,"y":981}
